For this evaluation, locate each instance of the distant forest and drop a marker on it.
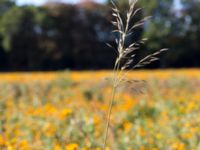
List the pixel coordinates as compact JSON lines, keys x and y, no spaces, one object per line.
{"x":59,"y":36}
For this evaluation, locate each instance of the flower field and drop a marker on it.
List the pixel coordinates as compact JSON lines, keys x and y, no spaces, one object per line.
{"x":160,"y":110}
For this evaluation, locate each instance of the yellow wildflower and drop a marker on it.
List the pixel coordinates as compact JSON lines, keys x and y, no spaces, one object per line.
{"x":24,"y":145}
{"x":178,"y":146}
{"x":127,"y":126}
{"x":101,"y":148}
{"x":2,"y":141}
{"x":159,"y":136}
{"x":57,"y":147}
{"x":49,"y":129}
{"x":64,"y":113}
{"x":72,"y":146}
{"x":10,"y":147}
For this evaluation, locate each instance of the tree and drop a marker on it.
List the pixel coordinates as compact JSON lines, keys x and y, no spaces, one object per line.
{"x":81,"y":39}
{"x":5,"y":5}
{"x":191,"y":33}
{"x":20,"y":35}
{"x":3,"y":59}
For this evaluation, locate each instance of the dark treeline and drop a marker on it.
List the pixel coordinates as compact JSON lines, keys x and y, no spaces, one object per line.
{"x":63,"y":36}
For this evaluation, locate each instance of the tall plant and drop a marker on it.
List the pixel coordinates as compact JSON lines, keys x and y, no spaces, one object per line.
{"x":126,"y":53}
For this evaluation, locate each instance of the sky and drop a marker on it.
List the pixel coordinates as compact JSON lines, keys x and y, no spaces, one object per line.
{"x":40,"y":2}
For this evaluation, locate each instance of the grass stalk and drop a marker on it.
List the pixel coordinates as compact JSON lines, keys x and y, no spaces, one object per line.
{"x":126,"y":54}
{"x":109,"y":116}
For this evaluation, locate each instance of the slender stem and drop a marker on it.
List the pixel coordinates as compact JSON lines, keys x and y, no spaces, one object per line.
{"x":116,"y":77}
{"x":109,"y":116}
{"x":115,"y":84}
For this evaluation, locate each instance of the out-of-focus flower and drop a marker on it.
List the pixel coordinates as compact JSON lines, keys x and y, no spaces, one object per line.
{"x":72,"y":146}
{"x":64,"y":113}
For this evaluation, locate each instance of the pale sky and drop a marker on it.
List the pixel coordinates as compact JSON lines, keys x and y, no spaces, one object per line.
{"x":39,"y":2}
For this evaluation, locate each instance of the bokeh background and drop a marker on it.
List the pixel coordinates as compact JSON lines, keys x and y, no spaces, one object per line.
{"x":67,"y":34}
{"x":56,"y":77}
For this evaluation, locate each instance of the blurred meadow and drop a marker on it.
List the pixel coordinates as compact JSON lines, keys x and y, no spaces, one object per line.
{"x":56,"y":77}
{"x":67,"y":110}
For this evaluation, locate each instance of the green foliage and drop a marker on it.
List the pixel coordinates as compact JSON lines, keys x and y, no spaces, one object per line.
{"x":5,"y":5}
{"x":179,"y":28}
{"x":19,"y":35}
{"x":11,"y":26}
{"x":58,"y":36}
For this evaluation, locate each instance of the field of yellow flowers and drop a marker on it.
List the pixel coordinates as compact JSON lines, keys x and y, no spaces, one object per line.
{"x":67,"y":111}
